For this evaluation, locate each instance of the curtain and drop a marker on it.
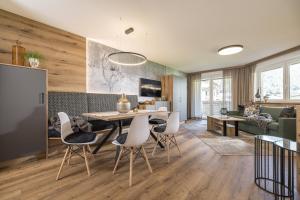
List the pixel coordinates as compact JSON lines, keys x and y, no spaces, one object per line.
{"x":242,"y":85}
{"x":194,"y":95}
{"x":227,"y":90}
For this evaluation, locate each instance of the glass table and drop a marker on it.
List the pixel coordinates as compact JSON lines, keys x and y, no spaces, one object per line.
{"x":283,"y":168}
{"x":274,"y":165}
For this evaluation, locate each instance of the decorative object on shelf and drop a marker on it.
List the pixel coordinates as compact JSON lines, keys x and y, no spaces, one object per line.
{"x":126,"y":57}
{"x":257,"y":95}
{"x":266,"y":98}
{"x":33,"y":58}
{"x":223,"y":112}
{"x":123,"y":105}
{"x":18,"y":54}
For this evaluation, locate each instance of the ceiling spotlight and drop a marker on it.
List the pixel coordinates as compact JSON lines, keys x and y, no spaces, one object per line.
{"x":229,"y":50}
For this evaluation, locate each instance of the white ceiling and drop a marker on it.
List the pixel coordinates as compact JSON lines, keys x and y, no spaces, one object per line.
{"x":184,"y":34}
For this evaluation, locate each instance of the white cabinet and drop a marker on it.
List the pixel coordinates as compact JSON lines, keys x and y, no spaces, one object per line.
{"x":157,"y":105}
{"x":179,"y":102}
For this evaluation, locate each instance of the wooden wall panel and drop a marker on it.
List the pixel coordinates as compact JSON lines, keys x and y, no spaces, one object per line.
{"x":64,"y":53}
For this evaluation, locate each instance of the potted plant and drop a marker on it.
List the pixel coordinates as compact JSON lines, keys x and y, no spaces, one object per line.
{"x":33,"y":58}
{"x":266,"y":98}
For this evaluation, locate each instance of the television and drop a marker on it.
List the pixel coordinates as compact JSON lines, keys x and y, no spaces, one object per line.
{"x":150,"y":88}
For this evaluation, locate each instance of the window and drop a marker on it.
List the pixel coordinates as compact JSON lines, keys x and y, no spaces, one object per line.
{"x":279,"y":79}
{"x":272,"y":83}
{"x":294,"y":81}
{"x":215,"y":93}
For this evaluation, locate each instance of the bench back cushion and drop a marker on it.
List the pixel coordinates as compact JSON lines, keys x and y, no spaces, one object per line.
{"x":102,"y":102}
{"x":72,"y":103}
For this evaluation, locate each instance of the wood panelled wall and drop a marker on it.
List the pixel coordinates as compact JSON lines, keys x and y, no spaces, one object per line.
{"x":64,"y":53}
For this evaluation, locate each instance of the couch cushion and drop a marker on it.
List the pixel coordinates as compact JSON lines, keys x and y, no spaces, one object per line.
{"x":122,"y":138}
{"x":80,"y":137}
{"x":273,"y":126}
{"x":160,"y":129}
{"x":72,"y":103}
{"x":273,"y":111}
{"x":288,"y":112}
{"x":157,"y":121}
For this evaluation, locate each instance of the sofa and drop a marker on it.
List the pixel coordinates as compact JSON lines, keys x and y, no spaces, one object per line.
{"x":74,"y":104}
{"x":279,"y":126}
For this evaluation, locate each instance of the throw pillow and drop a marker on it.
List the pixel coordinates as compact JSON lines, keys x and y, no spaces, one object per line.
{"x":288,"y":112}
{"x":251,"y":110}
{"x":265,"y":115}
{"x":241,"y":109}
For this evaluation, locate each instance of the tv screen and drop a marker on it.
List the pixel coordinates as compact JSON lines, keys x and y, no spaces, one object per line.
{"x":150,"y":88}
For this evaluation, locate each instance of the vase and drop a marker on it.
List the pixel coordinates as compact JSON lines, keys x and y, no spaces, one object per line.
{"x":34,"y":62}
{"x":123,"y":105}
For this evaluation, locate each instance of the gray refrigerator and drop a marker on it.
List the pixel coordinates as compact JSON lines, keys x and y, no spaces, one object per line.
{"x":23,"y":111}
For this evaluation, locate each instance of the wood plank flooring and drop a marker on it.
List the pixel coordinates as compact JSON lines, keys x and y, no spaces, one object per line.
{"x":199,"y":174}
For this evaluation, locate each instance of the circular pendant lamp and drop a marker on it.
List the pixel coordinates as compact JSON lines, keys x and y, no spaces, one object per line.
{"x":127,"y":58}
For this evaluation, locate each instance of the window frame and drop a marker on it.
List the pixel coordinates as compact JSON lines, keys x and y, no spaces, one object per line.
{"x":288,"y":64}
{"x":279,"y":63}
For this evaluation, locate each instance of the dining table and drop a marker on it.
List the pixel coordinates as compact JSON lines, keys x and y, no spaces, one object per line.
{"x":115,"y":116}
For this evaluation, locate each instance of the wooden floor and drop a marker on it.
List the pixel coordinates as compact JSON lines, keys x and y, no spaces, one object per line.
{"x":199,"y":174}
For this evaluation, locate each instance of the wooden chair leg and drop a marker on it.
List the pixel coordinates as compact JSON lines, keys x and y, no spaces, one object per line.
{"x":119,"y":158}
{"x":146,"y":159}
{"x":177,"y":145}
{"x":90,"y":151}
{"x":153,"y":152}
{"x":70,"y":156}
{"x":130,"y":166}
{"x":168,"y":147}
{"x":63,"y":162}
{"x":86,"y":160}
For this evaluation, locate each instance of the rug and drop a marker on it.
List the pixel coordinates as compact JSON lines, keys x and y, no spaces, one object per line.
{"x":243,"y":145}
{"x":229,"y":146}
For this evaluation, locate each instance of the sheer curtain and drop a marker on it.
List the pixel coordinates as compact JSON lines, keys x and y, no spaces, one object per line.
{"x":227,"y":90}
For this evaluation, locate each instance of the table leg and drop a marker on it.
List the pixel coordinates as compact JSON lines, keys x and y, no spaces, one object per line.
{"x":105,"y":138}
{"x":118,"y":148}
{"x":236,"y":124}
{"x":224,"y":128}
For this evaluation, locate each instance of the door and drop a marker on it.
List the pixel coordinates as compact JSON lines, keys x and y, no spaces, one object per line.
{"x":22,"y":111}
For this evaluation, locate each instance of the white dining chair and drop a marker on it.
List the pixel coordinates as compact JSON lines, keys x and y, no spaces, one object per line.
{"x":75,"y":141}
{"x":166,"y":134}
{"x":159,"y":118}
{"x":138,"y":134}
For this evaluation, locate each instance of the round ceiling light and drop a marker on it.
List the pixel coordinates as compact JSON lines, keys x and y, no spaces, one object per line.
{"x":127,"y":58}
{"x":229,"y":50}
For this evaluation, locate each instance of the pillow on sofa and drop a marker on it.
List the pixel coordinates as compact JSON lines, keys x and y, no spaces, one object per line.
{"x":265,"y":115}
{"x":251,"y":110}
{"x":288,"y":112}
{"x":241,"y":109}
{"x":78,"y":124}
